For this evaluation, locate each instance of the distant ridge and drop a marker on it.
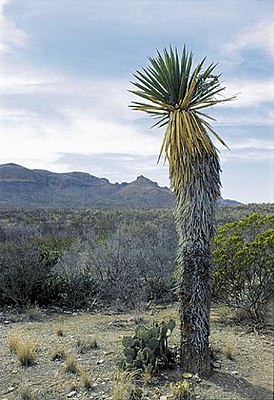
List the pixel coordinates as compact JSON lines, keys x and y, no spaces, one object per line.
{"x":25,"y":188}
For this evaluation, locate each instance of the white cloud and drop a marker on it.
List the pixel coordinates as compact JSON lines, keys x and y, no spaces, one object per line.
{"x":37,"y":140}
{"x":11,"y":36}
{"x":250,"y":149}
{"x":3,"y":3}
{"x":107,"y":98}
{"x":245,"y":119}
{"x":249,"y":92}
{"x":94,"y":117}
{"x":260,"y":36}
{"x":17,"y":78}
{"x":249,"y":156}
{"x":255,"y":144}
{"x":14,"y":113}
{"x":89,"y":133}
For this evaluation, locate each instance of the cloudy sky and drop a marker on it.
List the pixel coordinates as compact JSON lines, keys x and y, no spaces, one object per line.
{"x":66,"y":66}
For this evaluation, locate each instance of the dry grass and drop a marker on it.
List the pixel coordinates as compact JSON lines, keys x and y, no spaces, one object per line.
{"x":147,"y":376}
{"x":86,"y":344}
{"x":229,"y":351}
{"x":23,"y":347}
{"x":181,"y":390}
{"x":58,"y":354}
{"x":124,"y":385}
{"x":14,"y":337}
{"x":60,"y":329}
{"x":86,"y":379}
{"x":26,"y":393}
{"x":247,"y":376}
{"x":34,"y":313}
{"x":71,"y":364}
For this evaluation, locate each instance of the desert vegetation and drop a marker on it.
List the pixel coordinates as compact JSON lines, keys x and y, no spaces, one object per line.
{"x":90,"y":258}
{"x":80,"y":288}
{"x":244,"y":265}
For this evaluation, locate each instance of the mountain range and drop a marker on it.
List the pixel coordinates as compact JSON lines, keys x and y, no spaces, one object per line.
{"x":24,"y":188}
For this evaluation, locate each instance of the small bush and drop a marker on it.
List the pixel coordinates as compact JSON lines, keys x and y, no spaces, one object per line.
{"x":71,"y":364}
{"x":34,"y":313}
{"x":14,"y":336}
{"x":23,"y":273}
{"x":181,"y":390}
{"x":229,"y":352}
{"x":26,"y":353}
{"x":84,"y":345}
{"x":85,"y":379}
{"x":25,"y":393}
{"x":72,"y":279}
{"x":60,"y":329}
{"x":58,"y":354}
{"x":124,"y":386}
{"x":24,"y":348}
{"x":135,"y":265}
{"x":147,"y":376}
{"x":244,"y":265}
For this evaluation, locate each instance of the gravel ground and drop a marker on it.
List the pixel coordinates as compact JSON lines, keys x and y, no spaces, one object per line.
{"x":243,"y":369}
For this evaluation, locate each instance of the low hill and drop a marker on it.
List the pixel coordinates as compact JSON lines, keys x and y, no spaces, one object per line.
{"x":23,"y":187}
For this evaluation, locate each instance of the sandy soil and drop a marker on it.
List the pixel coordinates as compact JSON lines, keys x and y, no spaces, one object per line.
{"x":243,"y":368}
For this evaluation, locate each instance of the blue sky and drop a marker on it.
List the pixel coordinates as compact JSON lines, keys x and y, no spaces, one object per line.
{"x":66,"y":66}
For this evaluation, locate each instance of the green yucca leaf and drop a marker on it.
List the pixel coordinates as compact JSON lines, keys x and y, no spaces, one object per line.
{"x":149,"y":79}
{"x":175,"y":92}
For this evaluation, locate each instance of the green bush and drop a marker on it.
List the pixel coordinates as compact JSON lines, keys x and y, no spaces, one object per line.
{"x":244,"y":261}
{"x":23,"y":273}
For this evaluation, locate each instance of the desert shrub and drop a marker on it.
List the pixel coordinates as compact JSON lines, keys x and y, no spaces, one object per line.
{"x":181,"y":390}
{"x":70,"y":258}
{"x":20,"y":231}
{"x":23,"y":347}
{"x":71,"y":364}
{"x":25,"y":393}
{"x":125,"y":386}
{"x":123,"y":256}
{"x":244,"y":261}
{"x":86,"y":379}
{"x":131,"y":266}
{"x":72,"y":278}
{"x":26,"y":260}
{"x":86,"y":344}
{"x":135,"y":264}
{"x":23,"y":273}
{"x":58,"y":354}
{"x":33,"y":312}
{"x":60,"y":329}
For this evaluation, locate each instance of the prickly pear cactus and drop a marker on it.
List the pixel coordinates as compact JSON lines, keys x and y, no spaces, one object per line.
{"x":148,"y":348}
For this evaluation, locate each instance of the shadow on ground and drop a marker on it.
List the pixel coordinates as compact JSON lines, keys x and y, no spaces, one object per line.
{"x":235,"y":384}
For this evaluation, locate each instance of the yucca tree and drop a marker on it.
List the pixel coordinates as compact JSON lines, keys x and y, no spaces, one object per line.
{"x":176,"y":93}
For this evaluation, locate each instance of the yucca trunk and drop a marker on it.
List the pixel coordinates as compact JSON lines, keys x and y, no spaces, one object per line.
{"x":195,"y":221}
{"x":195,"y":295}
